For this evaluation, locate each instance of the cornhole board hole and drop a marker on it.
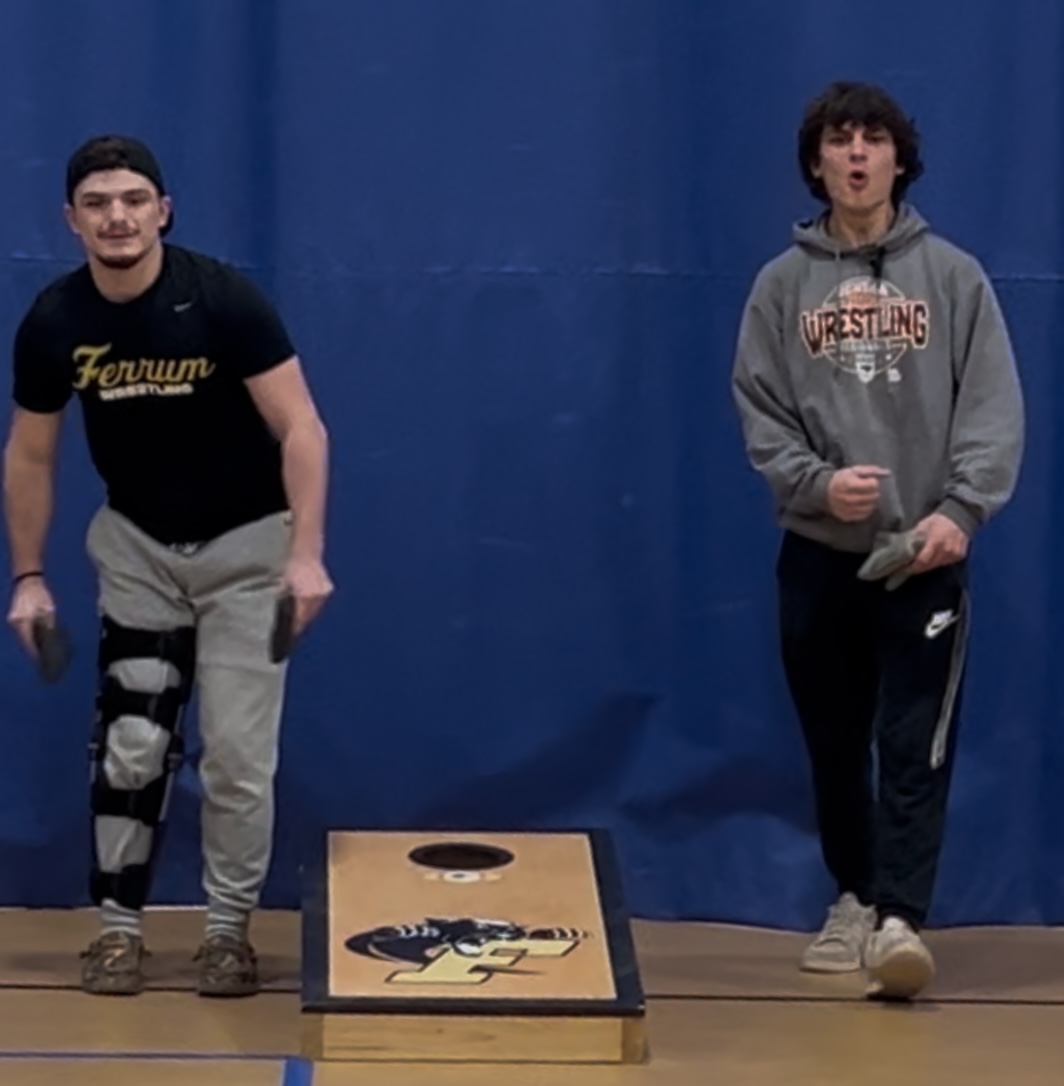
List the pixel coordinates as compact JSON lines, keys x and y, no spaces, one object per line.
{"x":509,"y":947}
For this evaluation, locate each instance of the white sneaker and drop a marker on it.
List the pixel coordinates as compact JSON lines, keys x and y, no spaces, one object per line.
{"x":899,"y":964}
{"x":839,"y":946}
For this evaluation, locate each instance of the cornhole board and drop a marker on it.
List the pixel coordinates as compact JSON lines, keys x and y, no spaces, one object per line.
{"x":508,"y":947}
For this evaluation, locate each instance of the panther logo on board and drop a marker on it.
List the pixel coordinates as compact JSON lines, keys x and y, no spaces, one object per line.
{"x":461,"y":950}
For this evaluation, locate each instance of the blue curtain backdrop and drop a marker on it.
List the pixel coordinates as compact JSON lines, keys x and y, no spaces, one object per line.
{"x":512,"y":239}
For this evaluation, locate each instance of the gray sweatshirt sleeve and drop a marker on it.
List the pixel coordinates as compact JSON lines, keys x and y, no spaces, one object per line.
{"x":776,"y":442}
{"x":987,"y":437}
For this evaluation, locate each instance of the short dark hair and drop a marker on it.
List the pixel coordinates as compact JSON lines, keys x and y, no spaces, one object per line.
{"x":864,"y":104}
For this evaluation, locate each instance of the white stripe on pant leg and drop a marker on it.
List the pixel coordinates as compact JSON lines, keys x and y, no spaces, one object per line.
{"x":940,"y":741}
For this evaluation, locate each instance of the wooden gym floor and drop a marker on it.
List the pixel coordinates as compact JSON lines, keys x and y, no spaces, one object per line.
{"x":726,"y":1005}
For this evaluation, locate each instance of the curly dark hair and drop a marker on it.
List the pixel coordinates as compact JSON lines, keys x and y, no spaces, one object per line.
{"x":862,"y":104}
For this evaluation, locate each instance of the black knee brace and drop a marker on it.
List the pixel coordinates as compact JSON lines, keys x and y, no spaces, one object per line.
{"x":147,"y":805}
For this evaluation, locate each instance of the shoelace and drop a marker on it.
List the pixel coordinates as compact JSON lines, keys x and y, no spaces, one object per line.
{"x":835,"y":928}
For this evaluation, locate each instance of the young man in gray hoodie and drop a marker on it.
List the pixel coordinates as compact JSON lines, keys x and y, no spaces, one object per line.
{"x":880,"y":401}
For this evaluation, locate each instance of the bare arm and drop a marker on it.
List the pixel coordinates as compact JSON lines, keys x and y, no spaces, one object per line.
{"x":29,"y":468}
{"x":283,"y":399}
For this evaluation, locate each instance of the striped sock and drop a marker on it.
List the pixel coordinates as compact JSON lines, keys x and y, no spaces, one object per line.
{"x":115,"y":917}
{"x":227,"y":920}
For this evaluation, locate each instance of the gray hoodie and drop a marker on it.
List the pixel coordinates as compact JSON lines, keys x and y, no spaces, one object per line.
{"x":893,"y":354}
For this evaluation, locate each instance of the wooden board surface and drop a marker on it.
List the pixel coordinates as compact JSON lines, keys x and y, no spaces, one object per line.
{"x":541,"y":934}
{"x":154,"y":1023}
{"x":96,"y":1072}
{"x":470,"y":1039}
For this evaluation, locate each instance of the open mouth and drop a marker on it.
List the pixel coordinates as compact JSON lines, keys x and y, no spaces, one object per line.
{"x":858,"y":179}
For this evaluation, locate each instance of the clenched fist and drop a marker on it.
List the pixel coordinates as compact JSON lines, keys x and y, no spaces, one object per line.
{"x":31,"y":601}
{"x":853,"y":493}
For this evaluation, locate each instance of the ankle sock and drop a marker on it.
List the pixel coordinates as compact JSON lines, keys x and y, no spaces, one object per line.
{"x":883,"y":918}
{"x":115,"y":917}
{"x":227,"y":920}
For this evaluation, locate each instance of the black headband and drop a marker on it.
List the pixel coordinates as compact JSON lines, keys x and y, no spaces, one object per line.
{"x":114,"y":153}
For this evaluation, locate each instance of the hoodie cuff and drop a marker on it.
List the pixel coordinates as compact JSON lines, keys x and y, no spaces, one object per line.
{"x":819,"y":493}
{"x":960,"y":515}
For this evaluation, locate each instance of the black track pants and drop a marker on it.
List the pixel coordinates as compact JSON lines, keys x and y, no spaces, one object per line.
{"x":866,"y":666}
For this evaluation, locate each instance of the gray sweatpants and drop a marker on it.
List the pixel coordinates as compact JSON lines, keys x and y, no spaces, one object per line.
{"x":227,"y":589}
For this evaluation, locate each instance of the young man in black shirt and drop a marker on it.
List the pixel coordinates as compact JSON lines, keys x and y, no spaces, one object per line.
{"x":214,"y":460}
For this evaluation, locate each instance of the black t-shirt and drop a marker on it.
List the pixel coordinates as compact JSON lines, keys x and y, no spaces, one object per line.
{"x":170,"y":424}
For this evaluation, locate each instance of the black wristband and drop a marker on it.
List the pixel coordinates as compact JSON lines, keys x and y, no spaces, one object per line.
{"x":27,"y":575}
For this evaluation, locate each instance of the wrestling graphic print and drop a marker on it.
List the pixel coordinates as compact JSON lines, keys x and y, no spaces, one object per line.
{"x":866,"y":327}
{"x":133,"y":378}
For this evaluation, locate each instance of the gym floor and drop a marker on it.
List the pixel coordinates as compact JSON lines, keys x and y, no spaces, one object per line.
{"x":725,"y":1005}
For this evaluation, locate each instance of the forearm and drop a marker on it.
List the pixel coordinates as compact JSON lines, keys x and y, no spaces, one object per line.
{"x":28,"y":499}
{"x":776,"y":448}
{"x":983,"y":478}
{"x":777,"y":444}
{"x":305,"y":453}
{"x":988,"y":426}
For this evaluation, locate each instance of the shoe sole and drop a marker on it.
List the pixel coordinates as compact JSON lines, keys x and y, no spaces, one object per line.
{"x":903,"y":974}
{"x":830,"y":968}
{"x":120,"y":990}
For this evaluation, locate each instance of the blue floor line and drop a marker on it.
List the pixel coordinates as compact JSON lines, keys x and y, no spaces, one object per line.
{"x":297,"y":1073}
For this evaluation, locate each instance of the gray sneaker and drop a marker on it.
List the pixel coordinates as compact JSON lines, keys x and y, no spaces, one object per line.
{"x":113,"y":965}
{"x":899,"y":964}
{"x":228,"y":967}
{"x":839,"y":947}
